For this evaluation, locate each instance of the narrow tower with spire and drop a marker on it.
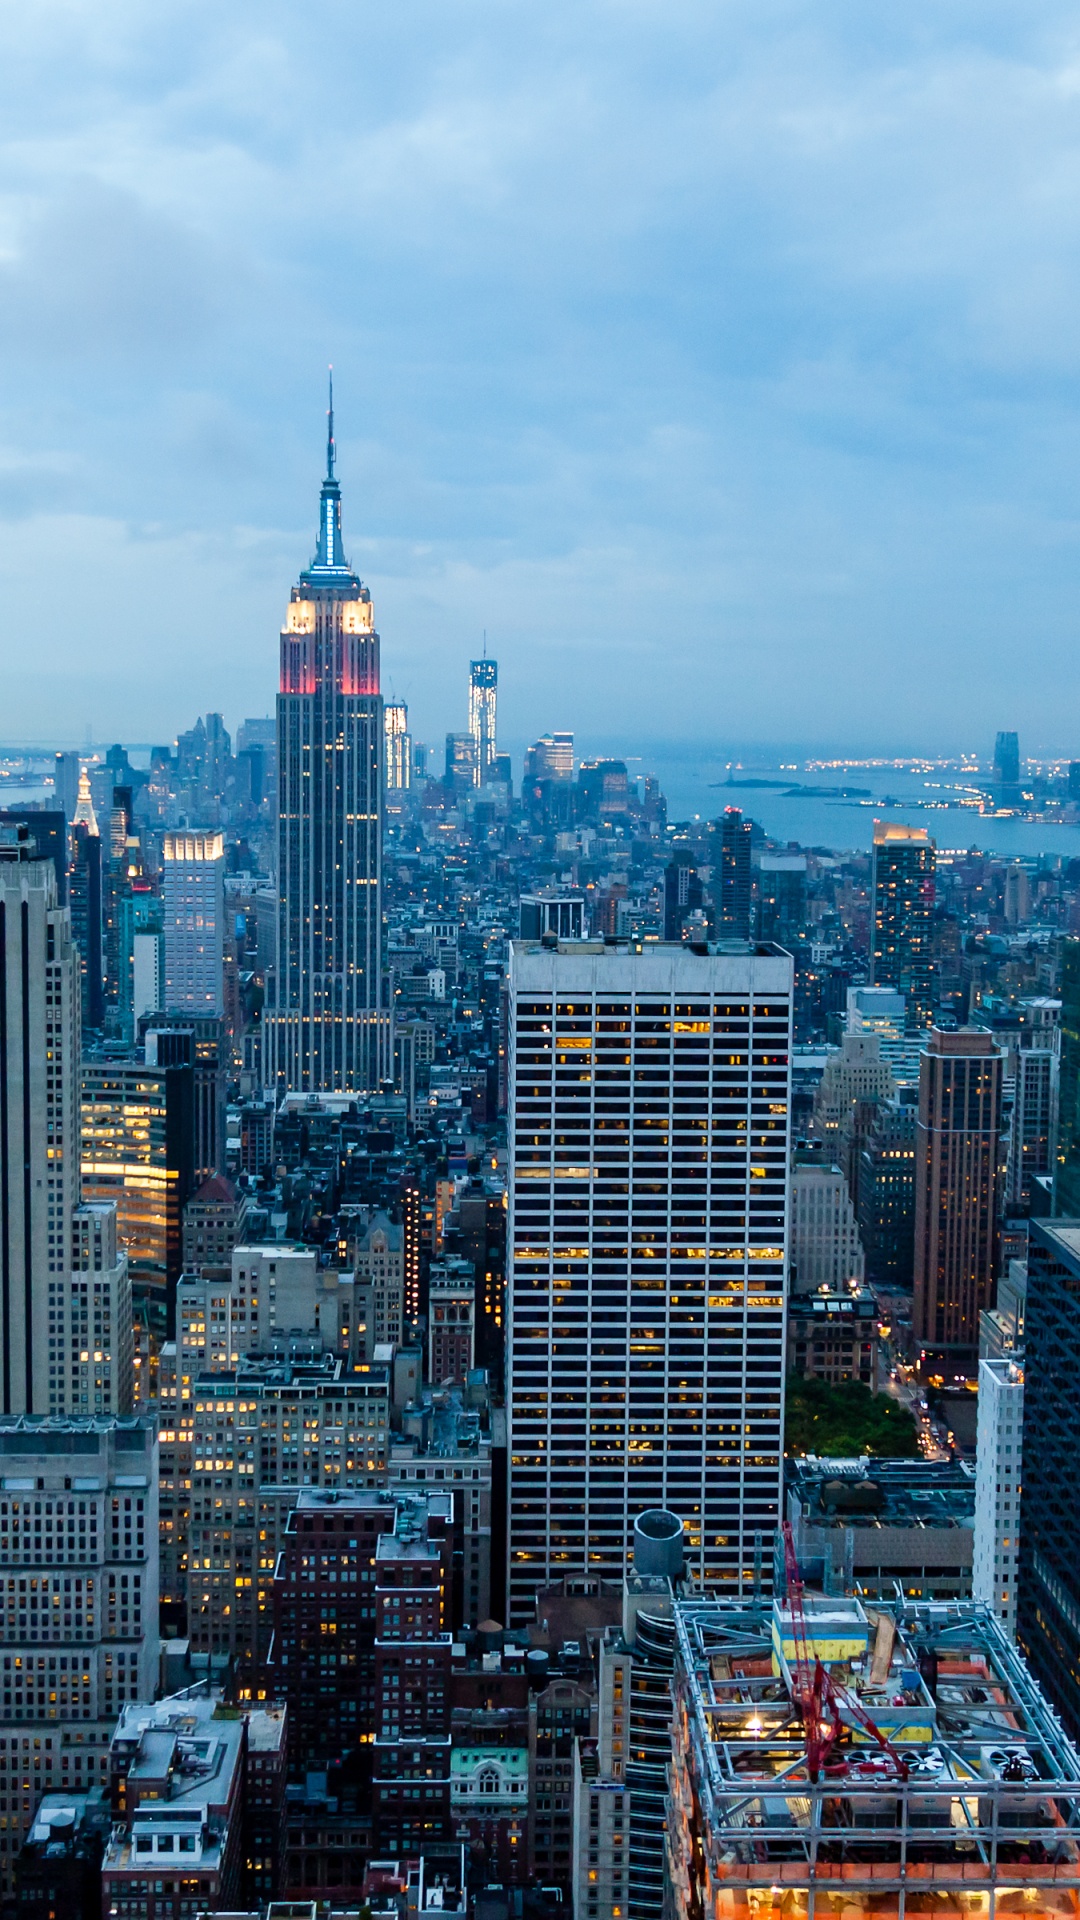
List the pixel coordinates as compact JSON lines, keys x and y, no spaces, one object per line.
{"x":327,"y":1022}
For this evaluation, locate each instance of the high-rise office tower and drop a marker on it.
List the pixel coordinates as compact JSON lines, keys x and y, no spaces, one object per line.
{"x":138,"y":1150}
{"x":957,"y":1181}
{"x":1067,"y":1148}
{"x":550,"y":758}
{"x":483,"y":693}
{"x":731,"y":875}
{"x":603,"y":791}
{"x":84,"y":892}
{"x":886,"y":1197}
{"x":826,"y":1250}
{"x":683,"y":894}
{"x":79,"y":1620}
{"x":66,"y":781}
{"x":1007,"y":768}
{"x":117,"y":871}
{"x":218,"y":756}
{"x":998,"y":1479}
{"x":39,"y":1114}
{"x":1034,"y":1073}
{"x":901,"y":945}
{"x":462,"y":766}
{"x":85,"y":896}
{"x":199,"y":1041}
{"x":141,"y":984}
{"x":781,"y":906}
{"x":48,"y":833}
{"x":1048,"y":1593}
{"x":194,"y":921}
{"x":92,"y":1364}
{"x":329,"y":1028}
{"x":65,"y":1301}
{"x":647,"y":1254}
{"x":398,"y":743}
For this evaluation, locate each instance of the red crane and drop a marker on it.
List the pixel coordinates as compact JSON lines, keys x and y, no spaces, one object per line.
{"x":819,"y":1697}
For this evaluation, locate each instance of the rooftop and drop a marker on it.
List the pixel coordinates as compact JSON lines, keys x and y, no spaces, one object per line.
{"x":864,"y":1492}
{"x":945,"y":1764}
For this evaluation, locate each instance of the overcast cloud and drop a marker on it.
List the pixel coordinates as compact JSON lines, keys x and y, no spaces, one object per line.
{"x":721,"y":358}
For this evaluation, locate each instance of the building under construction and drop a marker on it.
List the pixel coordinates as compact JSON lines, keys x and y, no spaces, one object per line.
{"x":846,"y":1759}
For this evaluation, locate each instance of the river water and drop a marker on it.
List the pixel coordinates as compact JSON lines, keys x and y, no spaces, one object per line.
{"x":697,"y":786}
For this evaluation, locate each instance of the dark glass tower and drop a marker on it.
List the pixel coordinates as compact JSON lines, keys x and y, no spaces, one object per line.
{"x":328,"y":1024}
{"x":958,"y":1167}
{"x":732,"y":881}
{"x":1048,"y":1589}
{"x":901,"y":952}
{"x":1067,"y":1167}
{"x":1007,"y":768}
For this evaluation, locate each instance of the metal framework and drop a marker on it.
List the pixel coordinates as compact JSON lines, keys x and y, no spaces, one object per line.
{"x":986,"y":1820}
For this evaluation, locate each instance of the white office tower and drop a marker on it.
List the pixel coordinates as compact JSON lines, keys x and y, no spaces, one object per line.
{"x":998,"y":1473}
{"x":649,"y":1129}
{"x":79,"y":1613}
{"x":825,"y":1244}
{"x":147,"y":974}
{"x":398,"y":744}
{"x":194,"y":921}
{"x":39,"y":1116}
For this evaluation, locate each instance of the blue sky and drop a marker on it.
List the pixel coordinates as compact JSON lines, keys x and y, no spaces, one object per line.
{"x":720,"y":357}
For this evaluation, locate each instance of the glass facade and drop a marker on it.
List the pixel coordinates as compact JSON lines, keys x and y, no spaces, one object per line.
{"x":1048,"y":1597}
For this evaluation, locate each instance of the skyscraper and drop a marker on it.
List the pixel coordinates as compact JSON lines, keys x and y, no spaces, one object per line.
{"x":462,"y":766}
{"x":550,"y":758}
{"x":683,"y":894}
{"x":483,"y":686}
{"x":67,"y":784}
{"x":194,"y":922}
{"x":957,"y":1179}
{"x":901,"y":950}
{"x":886,"y":1197}
{"x":647,"y":1252}
{"x":781,"y":897}
{"x":138,"y":1150}
{"x":731,"y":876}
{"x":48,"y":832}
{"x":86,"y":905}
{"x":1048,"y":1596}
{"x":1067,"y":1149}
{"x":998,"y":1469}
{"x":398,"y":746}
{"x":1007,"y":768}
{"x":39,"y":1114}
{"x":65,"y":1302}
{"x":329,"y":1029}
{"x":79,"y":1529}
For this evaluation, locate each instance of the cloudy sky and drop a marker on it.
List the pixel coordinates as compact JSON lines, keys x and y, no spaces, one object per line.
{"x":721,"y":358}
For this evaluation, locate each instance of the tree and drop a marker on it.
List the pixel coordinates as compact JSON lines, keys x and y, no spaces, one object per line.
{"x":845,"y":1420}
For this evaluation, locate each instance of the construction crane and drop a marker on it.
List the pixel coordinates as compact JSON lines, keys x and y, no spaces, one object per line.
{"x":821,"y":1700}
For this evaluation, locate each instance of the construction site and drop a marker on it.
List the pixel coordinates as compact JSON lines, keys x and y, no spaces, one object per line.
{"x":850,"y":1759}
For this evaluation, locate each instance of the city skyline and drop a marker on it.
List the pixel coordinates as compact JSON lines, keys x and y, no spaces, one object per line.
{"x":540,"y":1049}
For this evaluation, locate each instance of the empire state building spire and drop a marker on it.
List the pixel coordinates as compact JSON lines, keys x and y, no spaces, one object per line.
{"x":330,"y":554}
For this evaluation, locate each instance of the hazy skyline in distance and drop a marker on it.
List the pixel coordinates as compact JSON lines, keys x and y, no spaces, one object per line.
{"x":719,"y":357}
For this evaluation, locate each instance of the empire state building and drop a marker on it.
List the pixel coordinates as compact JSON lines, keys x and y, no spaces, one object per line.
{"x":329,"y":1026}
